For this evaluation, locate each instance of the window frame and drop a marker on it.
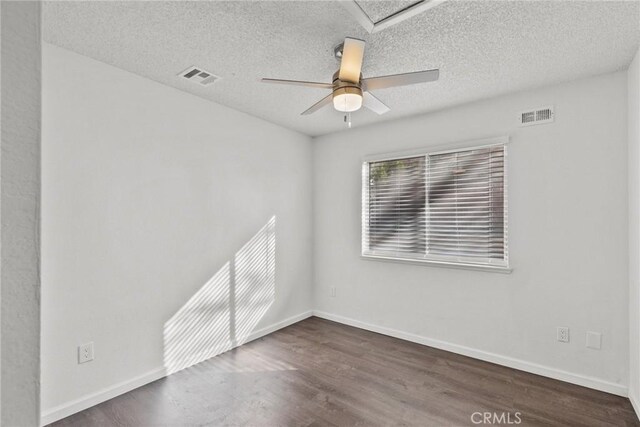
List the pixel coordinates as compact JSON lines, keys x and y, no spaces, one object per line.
{"x":448,"y":262}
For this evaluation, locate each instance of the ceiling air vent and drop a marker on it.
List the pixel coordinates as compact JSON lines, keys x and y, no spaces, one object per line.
{"x":199,"y":76}
{"x":537,"y":117}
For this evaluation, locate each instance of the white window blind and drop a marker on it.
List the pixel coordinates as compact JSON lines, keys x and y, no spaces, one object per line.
{"x":447,"y":207}
{"x":396,"y":206}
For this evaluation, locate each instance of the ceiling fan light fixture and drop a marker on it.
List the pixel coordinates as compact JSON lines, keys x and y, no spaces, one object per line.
{"x":347,"y":99}
{"x":347,"y":83}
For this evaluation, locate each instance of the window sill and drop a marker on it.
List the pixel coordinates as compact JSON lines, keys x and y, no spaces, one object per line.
{"x":445,"y":264}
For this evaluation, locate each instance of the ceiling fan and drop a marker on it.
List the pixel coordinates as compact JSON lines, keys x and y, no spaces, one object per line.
{"x":349,"y":91}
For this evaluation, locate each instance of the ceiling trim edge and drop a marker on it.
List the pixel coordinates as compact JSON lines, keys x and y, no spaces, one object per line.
{"x":363,"y":19}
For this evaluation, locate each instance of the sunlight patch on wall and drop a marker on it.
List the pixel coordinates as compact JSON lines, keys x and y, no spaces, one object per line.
{"x":226,"y":310}
{"x":255,"y":280}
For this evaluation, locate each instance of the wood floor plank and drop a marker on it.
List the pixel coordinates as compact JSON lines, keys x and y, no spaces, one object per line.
{"x":321,"y":373}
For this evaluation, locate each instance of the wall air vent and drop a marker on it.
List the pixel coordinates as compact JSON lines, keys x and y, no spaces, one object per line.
{"x":199,"y":76}
{"x":537,"y":116}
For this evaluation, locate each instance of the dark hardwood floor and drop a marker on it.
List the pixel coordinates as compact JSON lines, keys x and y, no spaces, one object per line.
{"x":321,"y":373}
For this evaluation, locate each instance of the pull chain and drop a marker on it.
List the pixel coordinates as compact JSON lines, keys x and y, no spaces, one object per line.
{"x":347,"y":119}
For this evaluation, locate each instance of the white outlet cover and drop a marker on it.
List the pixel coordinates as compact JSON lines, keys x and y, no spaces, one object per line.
{"x":563,"y":334}
{"x":594,"y":340}
{"x":85,"y":352}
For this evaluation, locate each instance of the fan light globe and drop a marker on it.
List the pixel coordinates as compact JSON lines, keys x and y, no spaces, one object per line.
{"x":347,"y":99}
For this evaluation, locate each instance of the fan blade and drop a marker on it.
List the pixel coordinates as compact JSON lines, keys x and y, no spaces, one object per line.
{"x":351,"y":64}
{"x":405,"y":79}
{"x":299,"y":83}
{"x":374,"y":104}
{"x":318,"y":105}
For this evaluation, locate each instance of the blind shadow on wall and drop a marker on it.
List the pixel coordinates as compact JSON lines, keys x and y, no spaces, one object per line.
{"x":222,"y":314}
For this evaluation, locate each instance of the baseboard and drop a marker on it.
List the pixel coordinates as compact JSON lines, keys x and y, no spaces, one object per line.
{"x":77,"y":405}
{"x":636,"y":405}
{"x":275,"y":326}
{"x":522,"y":365}
{"x":70,"y":408}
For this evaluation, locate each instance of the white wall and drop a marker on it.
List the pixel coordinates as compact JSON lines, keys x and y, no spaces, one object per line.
{"x":152,"y":198}
{"x":156,"y":206}
{"x":634,"y":231}
{"x":20,"y":213}
{"x":567,"y":235}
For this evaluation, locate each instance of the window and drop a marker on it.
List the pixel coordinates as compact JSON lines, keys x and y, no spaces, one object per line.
{"x":446,"y":208}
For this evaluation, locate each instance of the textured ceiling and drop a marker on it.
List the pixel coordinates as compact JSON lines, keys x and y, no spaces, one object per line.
{"x":482,"y":48}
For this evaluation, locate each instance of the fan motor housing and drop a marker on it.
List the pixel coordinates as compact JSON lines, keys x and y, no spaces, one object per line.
{"x":342,"y":87}
{"x":346,"y":90}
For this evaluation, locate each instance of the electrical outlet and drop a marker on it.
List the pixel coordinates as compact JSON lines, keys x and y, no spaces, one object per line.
{"x":594,"y":340}
{"x":85,"y":352}
{"x":563,"y":334}
{"x":332,"y":291}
